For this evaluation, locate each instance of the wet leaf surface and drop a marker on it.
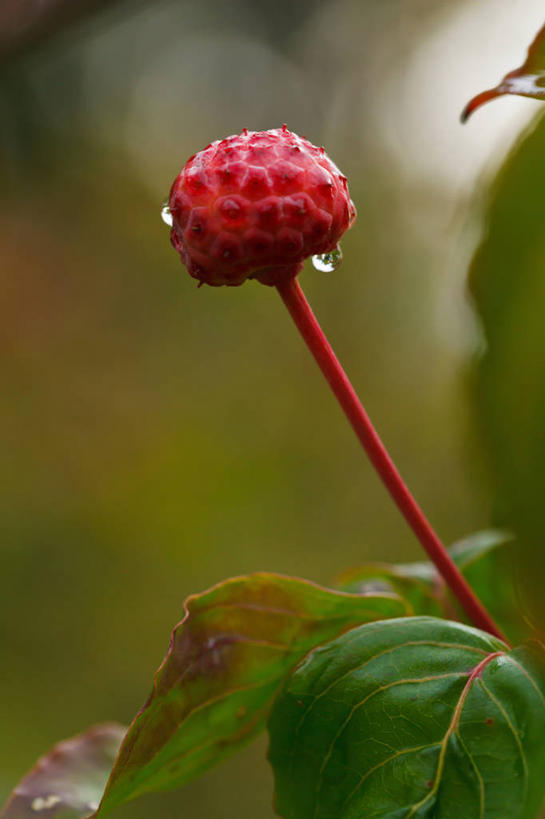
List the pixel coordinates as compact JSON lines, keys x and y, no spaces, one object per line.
{"x":68,"y":782}
{"x":226,"y":662}
{"x":416,"y":717}
{"x":526,"y":81}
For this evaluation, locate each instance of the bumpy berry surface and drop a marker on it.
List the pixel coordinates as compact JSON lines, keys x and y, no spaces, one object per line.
{"x":256,"y":205}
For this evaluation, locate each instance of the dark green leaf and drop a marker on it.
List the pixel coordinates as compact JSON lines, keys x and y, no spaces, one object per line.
{"x":526,"y":81}
{"x":488,"y":562}
{"x":485,"y":561}
{"x":416,"y":717}
{"x":69,"y":781}
{"x":226,"y":662}
{"x":508,"y":281}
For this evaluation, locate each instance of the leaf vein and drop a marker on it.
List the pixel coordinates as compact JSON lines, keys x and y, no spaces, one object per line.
{"x":514,"y":731}
{"x":385,"y":762}
{"x":360,"y":666}
{"x":528,"y":676}
{"x":454,"y":723}
{"x":477,"y":772}
{"x":358,"y":705}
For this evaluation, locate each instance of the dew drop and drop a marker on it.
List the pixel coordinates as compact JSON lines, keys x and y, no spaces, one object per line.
{"x":328,"y":262}
{"x":166,"y":215}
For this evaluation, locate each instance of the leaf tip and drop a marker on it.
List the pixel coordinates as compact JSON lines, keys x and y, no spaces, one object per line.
{"x":466,"y":113}
{"x":478,"y":101}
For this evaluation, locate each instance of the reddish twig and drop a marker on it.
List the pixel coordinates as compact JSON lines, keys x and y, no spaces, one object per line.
{"x":301,"y":313}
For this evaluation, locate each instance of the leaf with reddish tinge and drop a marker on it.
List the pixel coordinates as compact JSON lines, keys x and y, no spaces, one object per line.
{"x":226,"y":661}
{"x":417,"y":718}
{"x":526,"y":81}
{"x":69,"y":781}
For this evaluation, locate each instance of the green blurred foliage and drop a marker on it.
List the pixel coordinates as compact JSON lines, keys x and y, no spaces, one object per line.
{"x":157,"y":438}
{"x":508,"y":282}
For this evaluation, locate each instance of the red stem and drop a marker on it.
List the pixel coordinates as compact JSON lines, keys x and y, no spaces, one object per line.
{"x":301,"y":313}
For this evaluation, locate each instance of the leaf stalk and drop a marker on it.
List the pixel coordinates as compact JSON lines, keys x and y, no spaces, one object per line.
{"x":293,"y":297}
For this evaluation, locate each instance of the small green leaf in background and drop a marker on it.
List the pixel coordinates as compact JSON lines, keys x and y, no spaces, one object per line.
{"x":486,"y":561}
{"x":419,"y":583}
{"x":416,"y":717}
{"x":69,"y":781}
{"x":526,"y":81}
{"x":508,"y":283}
{"x":226,"y":662}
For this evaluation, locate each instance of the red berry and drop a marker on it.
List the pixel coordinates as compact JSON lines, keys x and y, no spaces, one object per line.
{"x":255,"y":206}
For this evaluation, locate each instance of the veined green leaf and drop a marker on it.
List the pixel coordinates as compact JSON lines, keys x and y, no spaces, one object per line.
{"x":226,"y":662}
{"x":416,"y":717}
{"x":69,"y":781}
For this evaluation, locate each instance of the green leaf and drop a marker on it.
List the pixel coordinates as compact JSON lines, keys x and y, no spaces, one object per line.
{"x":526,"y":81}
{"x":419,"y":583}
{"x":226,"y":662}
{"x":69,"y":781}
{"x":508,"y":282}
{"x":415,"y":717}
{"x":488,"y":562}
{"x":485,"y":560}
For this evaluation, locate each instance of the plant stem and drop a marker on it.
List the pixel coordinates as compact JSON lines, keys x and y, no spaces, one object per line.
{"x":301,"y":313}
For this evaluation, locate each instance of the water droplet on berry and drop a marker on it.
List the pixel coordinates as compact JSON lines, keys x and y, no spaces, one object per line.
{"x":166,"y":215}
{"x":328,"y":262}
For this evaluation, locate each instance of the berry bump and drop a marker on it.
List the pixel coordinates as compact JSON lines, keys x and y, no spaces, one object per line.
{"x":255,"y":206}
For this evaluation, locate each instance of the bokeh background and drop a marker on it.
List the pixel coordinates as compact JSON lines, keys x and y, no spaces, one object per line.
{"x":156,"y":438}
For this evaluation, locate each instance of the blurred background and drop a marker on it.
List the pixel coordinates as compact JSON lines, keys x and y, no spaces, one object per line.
{"x":156,"y":438}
